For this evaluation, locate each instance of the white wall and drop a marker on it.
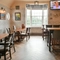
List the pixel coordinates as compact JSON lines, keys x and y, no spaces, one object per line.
{"x":4,"y":23}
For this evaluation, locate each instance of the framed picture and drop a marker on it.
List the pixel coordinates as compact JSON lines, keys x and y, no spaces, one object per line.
{"x":17,"y":16}
{"x":2,"y":16}
{"x":17,"y":7}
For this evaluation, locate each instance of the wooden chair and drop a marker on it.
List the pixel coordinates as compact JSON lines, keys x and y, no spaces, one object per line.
{"x":13,"y":36}
{"x":56,"y":26}
{"x":16,"y":33}
{"x":25,"y":34}
{"x":56,"y":40}
{"x":12,"y":42}
{"x":5,"y":47}
{"x":44,"y":32}
{"x":49,"y":26}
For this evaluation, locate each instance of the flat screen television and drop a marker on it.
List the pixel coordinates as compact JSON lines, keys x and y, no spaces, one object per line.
{"x":55,"y":5}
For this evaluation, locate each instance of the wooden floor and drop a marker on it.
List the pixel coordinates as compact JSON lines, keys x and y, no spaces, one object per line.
{"x":34,"y":49}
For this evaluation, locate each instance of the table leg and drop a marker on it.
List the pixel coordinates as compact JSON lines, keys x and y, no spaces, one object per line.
{"x":5,"y":50}
{"x":50,"y":41}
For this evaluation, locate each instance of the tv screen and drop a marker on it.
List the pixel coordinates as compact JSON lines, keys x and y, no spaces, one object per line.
{"x":55,"y":4}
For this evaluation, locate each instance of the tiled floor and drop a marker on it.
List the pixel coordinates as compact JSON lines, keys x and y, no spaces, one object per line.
{"x":33,"y":49}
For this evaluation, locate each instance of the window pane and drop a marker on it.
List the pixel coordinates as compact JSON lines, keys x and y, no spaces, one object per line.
{"x":36,"y":12}
{"x":28,"y":21}
{"x":36,"y":21}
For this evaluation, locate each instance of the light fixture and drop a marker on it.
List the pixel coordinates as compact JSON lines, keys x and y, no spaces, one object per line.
{"x":36,"y":2}
{"x":2,"y":10}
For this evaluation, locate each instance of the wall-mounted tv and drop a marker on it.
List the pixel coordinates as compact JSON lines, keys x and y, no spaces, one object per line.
{"x":55,"y":4}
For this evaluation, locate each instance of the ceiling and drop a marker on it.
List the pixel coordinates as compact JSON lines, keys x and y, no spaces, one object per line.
{"x":6,"y":2}
{"x":31,"y":0}
{"x":9,"y":2}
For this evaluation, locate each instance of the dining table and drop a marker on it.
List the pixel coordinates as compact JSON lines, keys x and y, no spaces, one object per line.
{"x":18,"y":31}
{"x":3,"y":35}
{"x":51,"y":30}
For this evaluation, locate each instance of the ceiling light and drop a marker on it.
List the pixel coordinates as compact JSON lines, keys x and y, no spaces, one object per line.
{"x":36,"y":2}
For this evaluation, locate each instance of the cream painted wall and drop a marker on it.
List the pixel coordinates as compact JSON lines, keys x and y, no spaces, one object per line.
{"x":4,"y":23}
{"x":54,"y":17}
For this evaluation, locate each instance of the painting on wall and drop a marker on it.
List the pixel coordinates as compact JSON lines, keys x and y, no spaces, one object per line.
{"x":17,"y":16}
{"x":2,"y":16}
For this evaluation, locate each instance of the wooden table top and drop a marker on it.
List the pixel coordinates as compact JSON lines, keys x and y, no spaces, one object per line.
{"x":3,"y":35}
{"x":20,"y":29}
{"x":53,"y":28}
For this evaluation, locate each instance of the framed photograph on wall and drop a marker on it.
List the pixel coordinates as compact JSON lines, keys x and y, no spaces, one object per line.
{"x":17,"y":16}
{"x":2,"y":16}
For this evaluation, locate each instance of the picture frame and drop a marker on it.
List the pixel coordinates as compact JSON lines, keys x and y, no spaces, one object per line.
{"x":2,"y":16}
{"x":17,"y":16}
{"x":17,"y":7}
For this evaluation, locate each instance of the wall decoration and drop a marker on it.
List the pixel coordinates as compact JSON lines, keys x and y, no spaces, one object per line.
{"x":7,"y":16}
{"x":17,"y":16}
{"x":17,"y":7}
{"x":2,"y":16}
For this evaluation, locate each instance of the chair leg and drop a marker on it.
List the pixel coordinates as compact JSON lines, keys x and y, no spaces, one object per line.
{"x":0,"y":57}
{"x":14,"y":48}
{"x":26,"y":38}
{"x":43,"y":37}
{"x":4,"y":57}
{"x":10,"y":54}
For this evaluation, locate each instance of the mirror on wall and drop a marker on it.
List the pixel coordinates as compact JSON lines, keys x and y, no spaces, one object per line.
{"x":7,"y":16}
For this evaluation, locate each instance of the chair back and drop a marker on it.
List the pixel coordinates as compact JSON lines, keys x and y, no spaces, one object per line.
{"x":14,"y":28}
{"x":5,"y":47}
{"x":10,"y":40}
{"x":56,"y":26}
{"x":13,"y":36}
{"x":8,"y":30}
{"x":27,"y":30}
{"x":48,"y":26}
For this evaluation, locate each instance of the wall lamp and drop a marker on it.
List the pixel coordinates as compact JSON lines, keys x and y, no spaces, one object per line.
{"x":2,"y":10}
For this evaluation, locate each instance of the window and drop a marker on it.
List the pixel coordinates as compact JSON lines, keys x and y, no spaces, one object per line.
{"x":36,"y":17}
{"x":28,"y":19}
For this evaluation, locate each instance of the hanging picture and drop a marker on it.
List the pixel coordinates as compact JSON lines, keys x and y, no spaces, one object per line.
{"x":2,"y":16}
{"x":17,"y":16}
